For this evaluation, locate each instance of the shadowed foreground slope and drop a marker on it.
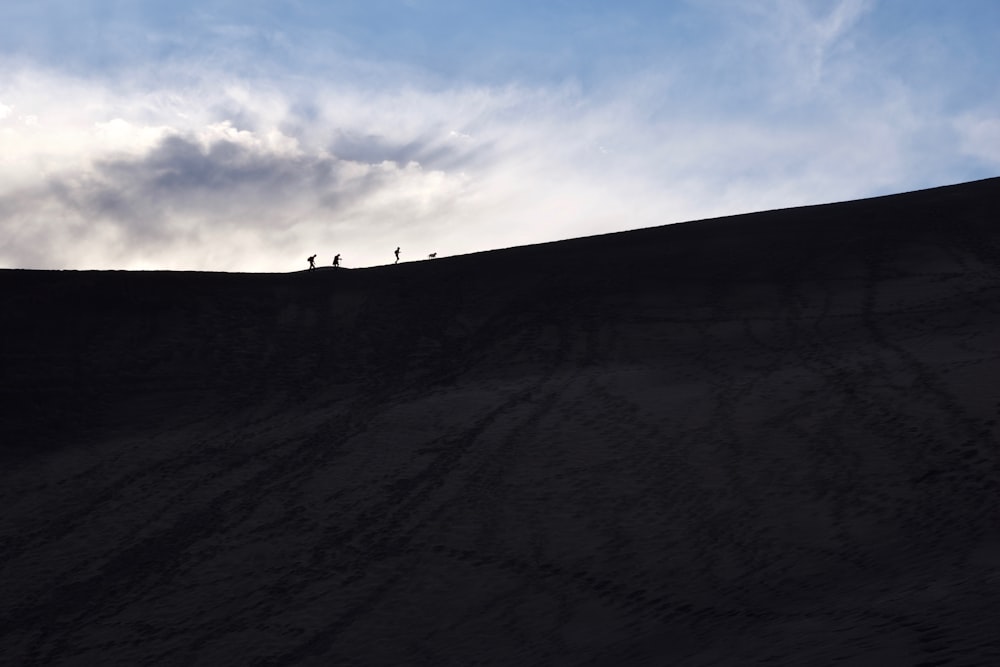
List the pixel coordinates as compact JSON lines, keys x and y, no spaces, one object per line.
{"x":769,"y":437}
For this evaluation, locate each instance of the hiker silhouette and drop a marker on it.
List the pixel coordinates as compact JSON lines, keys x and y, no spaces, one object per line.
{"x":336,"y":259}
{"x":312,"y":262}
{"x":397,"y":255}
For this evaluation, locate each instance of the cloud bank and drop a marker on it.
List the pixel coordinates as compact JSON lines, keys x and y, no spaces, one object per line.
{"x":197,"y":167}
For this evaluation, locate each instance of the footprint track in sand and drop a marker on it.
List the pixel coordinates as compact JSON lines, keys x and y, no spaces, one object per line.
{"x":639,"y":454}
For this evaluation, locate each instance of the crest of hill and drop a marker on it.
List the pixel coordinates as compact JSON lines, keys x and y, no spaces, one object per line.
{"x":770,"y":437}
{"x":80,"y":346}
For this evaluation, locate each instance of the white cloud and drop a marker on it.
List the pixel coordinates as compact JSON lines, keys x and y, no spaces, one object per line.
{"x":798,"y":51}
{"x":980,"y":137}
{"x":202,"y":169}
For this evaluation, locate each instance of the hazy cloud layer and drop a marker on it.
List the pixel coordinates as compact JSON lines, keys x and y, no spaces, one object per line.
{"x":207,"y":162}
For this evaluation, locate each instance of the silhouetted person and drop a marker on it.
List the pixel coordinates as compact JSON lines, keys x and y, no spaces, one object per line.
{"x":336,"y":259}
{"x":312,"y":262}
{"x":397,"y":255}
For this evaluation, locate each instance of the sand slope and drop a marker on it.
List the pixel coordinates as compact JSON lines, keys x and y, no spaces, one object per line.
{"x":764,"y":438}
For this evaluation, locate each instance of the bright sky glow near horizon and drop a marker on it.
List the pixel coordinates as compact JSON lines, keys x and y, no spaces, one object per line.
{"x":246,"y":136}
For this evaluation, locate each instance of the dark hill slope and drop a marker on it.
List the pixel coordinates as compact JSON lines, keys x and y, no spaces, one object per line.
{"x":709,"y":443}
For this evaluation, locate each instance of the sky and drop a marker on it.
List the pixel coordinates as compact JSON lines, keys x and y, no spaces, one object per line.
{"x":245,"y":136}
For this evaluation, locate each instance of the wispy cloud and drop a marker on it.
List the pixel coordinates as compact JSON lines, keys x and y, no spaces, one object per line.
{"x":980,"y":137}
{"x":170,"y":196}
{"x":200,"y":166}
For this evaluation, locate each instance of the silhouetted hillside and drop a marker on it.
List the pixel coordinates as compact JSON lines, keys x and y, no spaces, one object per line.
{"x":770,"y":435}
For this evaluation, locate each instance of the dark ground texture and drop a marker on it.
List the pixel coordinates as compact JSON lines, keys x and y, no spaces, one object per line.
{"x":769,"y":438}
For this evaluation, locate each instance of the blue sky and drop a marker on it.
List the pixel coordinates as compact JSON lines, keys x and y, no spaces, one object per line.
{"x":245,"y":136}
